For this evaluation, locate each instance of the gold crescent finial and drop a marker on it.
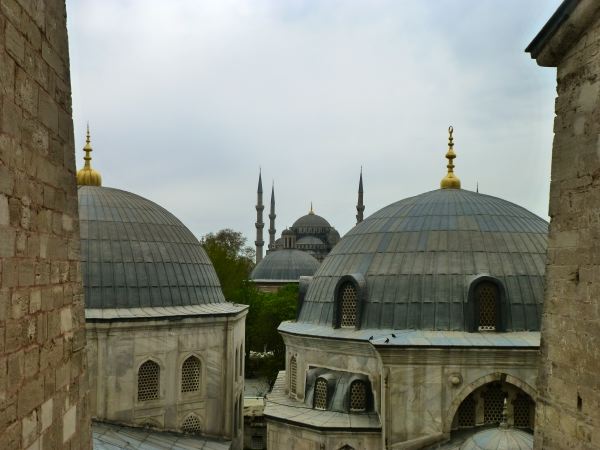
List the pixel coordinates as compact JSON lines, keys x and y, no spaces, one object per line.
{"x":311,"y":209}
{"x":88,"y":176}
{"x":450,"y":181}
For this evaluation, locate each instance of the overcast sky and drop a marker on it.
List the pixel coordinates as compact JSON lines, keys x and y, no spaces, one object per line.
{"x":186,"y":99}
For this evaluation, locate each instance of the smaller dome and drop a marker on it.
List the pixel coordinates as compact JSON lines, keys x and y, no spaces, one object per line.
{"x":285,"y":265}
{"x":502,"y":438}
{"x":309,"y":240}
{"x":311,"y":220}
{"x":287,"y":232}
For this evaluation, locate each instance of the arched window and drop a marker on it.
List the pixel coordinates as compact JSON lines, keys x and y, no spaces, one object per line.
{"x":190,"y":375}
{"x":522,"y":407}
{"x":293,"y":374}
{"x":320,"y":401}
{"x":487,"y":300}
{"x":348,"y":299}
{"x":358,"y":396}
{"x":466,"y":413}
{"x":148,"y":381}
{"x":241,"y":372}
{"x":191,"y":424}
{"x":493,"y":404}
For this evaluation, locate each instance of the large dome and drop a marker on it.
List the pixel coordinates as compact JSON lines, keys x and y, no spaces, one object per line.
{"x":135,"y":253}
{"x":419,"y":256}
{"x":285,"y":265}
{"x":311,"y":220}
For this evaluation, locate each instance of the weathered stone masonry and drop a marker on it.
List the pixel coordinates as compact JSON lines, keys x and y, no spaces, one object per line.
{"x":568,"y":408}
{"x":43,"y":384}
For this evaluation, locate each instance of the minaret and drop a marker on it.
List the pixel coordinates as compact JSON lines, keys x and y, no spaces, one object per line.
{"x":272,"y":216}
{"x":88,"y":176}
{"x":450,"y":181}
{"x":360,"y":206}
{"x":259,"y":221}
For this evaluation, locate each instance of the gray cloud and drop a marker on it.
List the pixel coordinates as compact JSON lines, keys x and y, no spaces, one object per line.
{"x":187,"y":98}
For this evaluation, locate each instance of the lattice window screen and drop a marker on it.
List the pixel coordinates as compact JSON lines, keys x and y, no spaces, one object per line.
{"x":487,"y":306}
{"x":257,"y":442}
{"x":348,"y":303}
{"x":190,"y":375}
{"x":191,"y":424}
{"x":493,"y":404}
{"x":148,"y":381}
{"x":358,"y":396}
{"x":522,"y":411}
{"x":321,"y":394}
{"x":293,"y":371}
{"x":466,"y":412}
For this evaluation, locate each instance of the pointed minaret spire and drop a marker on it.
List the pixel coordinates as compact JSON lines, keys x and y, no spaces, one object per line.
{"x":259,"y":220}
{"x":312,"y":211}
{"x":360,"y":207}
{"x":450,"y":181}
{"x":272,"y":216}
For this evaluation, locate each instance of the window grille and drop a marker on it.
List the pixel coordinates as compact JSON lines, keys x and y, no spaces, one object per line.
{"x":257,"y":442}
{"x":358,"y":396}
{"x":487,"y":294}
{"x":321,"y":394}
{"x":348,"y":301}
{"x":493,"y":404}
{"x":148,"y":381}
{"x":191,"y":424}
{"x":522,"y":411}
{"x":466,"y":413}
{"x":293,"y":370}
{"x":190,"y":375}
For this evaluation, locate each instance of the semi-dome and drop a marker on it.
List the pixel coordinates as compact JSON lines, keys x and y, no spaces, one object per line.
{"x":501,"y":438}
{"x":419,"y":257}
{"x":134,"y":253}
{"x":311,"y":220}
{"x":285,"y":265}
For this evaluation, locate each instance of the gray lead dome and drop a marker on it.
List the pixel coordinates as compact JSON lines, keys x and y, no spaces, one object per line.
{"x":134,"y":253}
{"x":420,"y":255}
{"x":285,"y":265}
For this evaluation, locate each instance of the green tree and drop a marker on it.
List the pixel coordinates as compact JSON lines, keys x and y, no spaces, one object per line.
{"x":232,"y":259}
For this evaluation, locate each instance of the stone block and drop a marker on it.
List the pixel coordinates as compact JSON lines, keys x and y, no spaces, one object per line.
{"x":69,"y":423}
{"x":46,"y":414}
{"x":48,"y":111}
{"x":15,"y":43}
{"x":30,"y":395}
{"x":29,"y":429}
{"x":26,"y":93}
{"x":10,"y":119}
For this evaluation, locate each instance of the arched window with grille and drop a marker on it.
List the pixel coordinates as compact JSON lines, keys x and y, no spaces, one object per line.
{"x":148,"y":381}
{"x":320,"y":400}
{"x":487,"y":296}
{"x":358,"y":396}
{"x":190,"y":375}
{"x":293,"y":375}
{"x":348,"y":305}
{"x":191,"y":424}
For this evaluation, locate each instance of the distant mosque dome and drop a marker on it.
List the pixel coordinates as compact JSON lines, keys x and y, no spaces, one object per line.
{"x":309,"y":240}
{"x":310,"y":220}
{"x":286,"y":264}
{"x":501,"y":438}
{"x":134,"y":253}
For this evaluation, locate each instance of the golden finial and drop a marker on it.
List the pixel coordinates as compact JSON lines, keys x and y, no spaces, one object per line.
{"x":88,"y":176}
{"x":450,"y":181}
{"x":311,"y":209}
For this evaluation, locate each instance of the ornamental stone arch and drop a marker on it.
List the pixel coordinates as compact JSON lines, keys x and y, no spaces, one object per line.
{"x":471,"y":387}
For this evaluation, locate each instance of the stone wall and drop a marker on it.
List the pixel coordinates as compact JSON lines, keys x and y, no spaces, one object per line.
{"x":568,"y":414}
{"x":116,"y":349}
{"x":43,"y":385}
